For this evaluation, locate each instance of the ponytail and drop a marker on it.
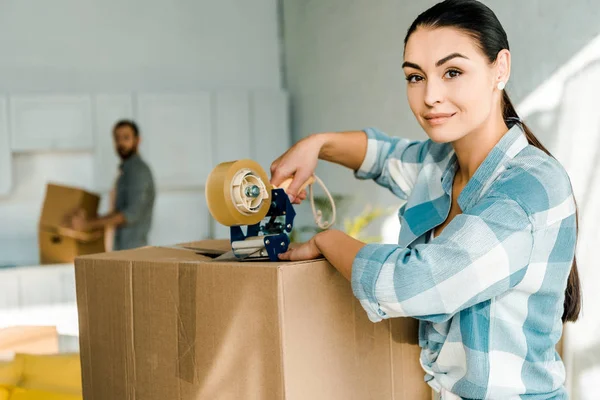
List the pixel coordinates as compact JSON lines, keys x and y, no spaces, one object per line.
{"x":572,"y":304}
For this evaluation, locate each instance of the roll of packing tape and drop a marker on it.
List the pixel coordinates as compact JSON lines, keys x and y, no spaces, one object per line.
{"x":238,"y":193}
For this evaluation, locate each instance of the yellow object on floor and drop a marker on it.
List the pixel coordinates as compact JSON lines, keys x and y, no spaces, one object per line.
{"x":31,"y":394}
{"x":37,"y":377}
{"x":58,"y":372}
{"x":4,"y":393}
{"x":10,"y":373}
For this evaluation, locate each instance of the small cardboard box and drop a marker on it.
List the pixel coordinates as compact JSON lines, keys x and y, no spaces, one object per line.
{"x":171,"y":323}
{"x":58,"y":244}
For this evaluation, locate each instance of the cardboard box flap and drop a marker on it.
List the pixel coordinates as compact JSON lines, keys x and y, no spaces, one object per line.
{"x":211,"y":246}
{"x":60,"y":200}
{"x":152,"y":254}
{"x":217,"y":247}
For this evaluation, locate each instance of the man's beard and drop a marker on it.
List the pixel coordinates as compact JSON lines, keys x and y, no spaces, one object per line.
{"x":126,"y":153}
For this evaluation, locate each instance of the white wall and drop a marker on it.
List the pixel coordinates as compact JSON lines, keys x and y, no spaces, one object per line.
{"x":112,"y":45}
{"x":343,"y":70}
{"x":190,"y":72}
{"x":343,"y":60}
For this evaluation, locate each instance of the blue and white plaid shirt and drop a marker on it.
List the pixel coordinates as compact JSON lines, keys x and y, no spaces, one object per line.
{"x":489,"y":290}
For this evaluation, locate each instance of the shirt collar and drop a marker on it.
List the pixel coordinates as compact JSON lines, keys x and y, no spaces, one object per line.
{"x":507,"y":148}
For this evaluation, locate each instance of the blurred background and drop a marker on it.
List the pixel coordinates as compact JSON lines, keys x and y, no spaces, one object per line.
{"x":215,"y":80}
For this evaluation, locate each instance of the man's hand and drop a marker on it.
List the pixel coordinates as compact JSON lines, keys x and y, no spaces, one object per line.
{"x":79,"y":222}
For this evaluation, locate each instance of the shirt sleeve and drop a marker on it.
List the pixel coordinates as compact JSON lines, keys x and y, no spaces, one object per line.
{"x":480,"y":254}
{"x":138,"y":194}
{"x":392,"y":162}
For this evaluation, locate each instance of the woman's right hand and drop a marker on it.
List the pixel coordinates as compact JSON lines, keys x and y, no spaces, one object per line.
{"x":299,"y":163}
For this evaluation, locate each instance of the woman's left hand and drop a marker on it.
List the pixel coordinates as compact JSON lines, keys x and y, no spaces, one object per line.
{"x":306,"y":251}
{"x":337,"y":247}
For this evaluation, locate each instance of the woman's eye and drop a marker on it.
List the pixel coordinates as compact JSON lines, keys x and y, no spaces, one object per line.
{"x":453,"y":73}
{"x":414,"y":78}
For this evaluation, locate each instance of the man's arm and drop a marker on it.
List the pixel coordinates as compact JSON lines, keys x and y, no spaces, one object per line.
{"x":112,"y":219}
{"x":80,"y":223}
{"x":138,"y":195}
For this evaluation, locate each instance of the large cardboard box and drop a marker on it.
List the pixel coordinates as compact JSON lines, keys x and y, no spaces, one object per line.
{"x":58,"y":244}
{"x":169,"y":323}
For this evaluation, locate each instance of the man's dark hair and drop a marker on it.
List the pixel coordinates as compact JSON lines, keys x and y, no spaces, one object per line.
{"x":129,"y":123}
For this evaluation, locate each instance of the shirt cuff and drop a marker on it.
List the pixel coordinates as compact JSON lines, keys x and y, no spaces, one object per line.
{"x":366,"y":169}
{"x":366,"y":268}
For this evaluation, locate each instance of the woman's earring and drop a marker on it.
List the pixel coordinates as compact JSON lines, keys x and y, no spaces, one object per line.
{"x":501,"y":85}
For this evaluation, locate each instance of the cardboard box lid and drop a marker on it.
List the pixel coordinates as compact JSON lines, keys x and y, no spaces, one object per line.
{"x":60,"y":200}
{"x":190,"y":252}
{"x":209,"y":246}
{"x":168,"y":322}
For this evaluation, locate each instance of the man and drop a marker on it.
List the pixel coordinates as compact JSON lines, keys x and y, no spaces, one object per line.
{"x":132,"y":215}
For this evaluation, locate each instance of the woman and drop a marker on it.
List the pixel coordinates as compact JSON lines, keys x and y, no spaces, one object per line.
{"x":485,"y":258}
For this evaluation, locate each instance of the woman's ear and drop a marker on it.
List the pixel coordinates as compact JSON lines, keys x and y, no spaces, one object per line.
{"x":502,"y":69}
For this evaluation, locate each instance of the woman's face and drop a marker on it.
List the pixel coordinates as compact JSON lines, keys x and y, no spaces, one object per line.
{"x":451,"y":84}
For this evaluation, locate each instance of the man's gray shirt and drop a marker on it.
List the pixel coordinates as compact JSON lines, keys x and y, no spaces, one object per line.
{"x":135,"y":200}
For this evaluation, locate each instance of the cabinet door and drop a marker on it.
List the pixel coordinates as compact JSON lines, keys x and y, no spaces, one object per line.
{"x":270,"y":128}
{"x":5,"y":152}
{"x":179,"y":216}
{"x":231,"y":134}
{"x":176,"y":138}
{"x":51,"y":123}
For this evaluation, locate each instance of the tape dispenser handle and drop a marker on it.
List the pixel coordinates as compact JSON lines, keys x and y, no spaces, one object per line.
{"x":285,"y":184}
